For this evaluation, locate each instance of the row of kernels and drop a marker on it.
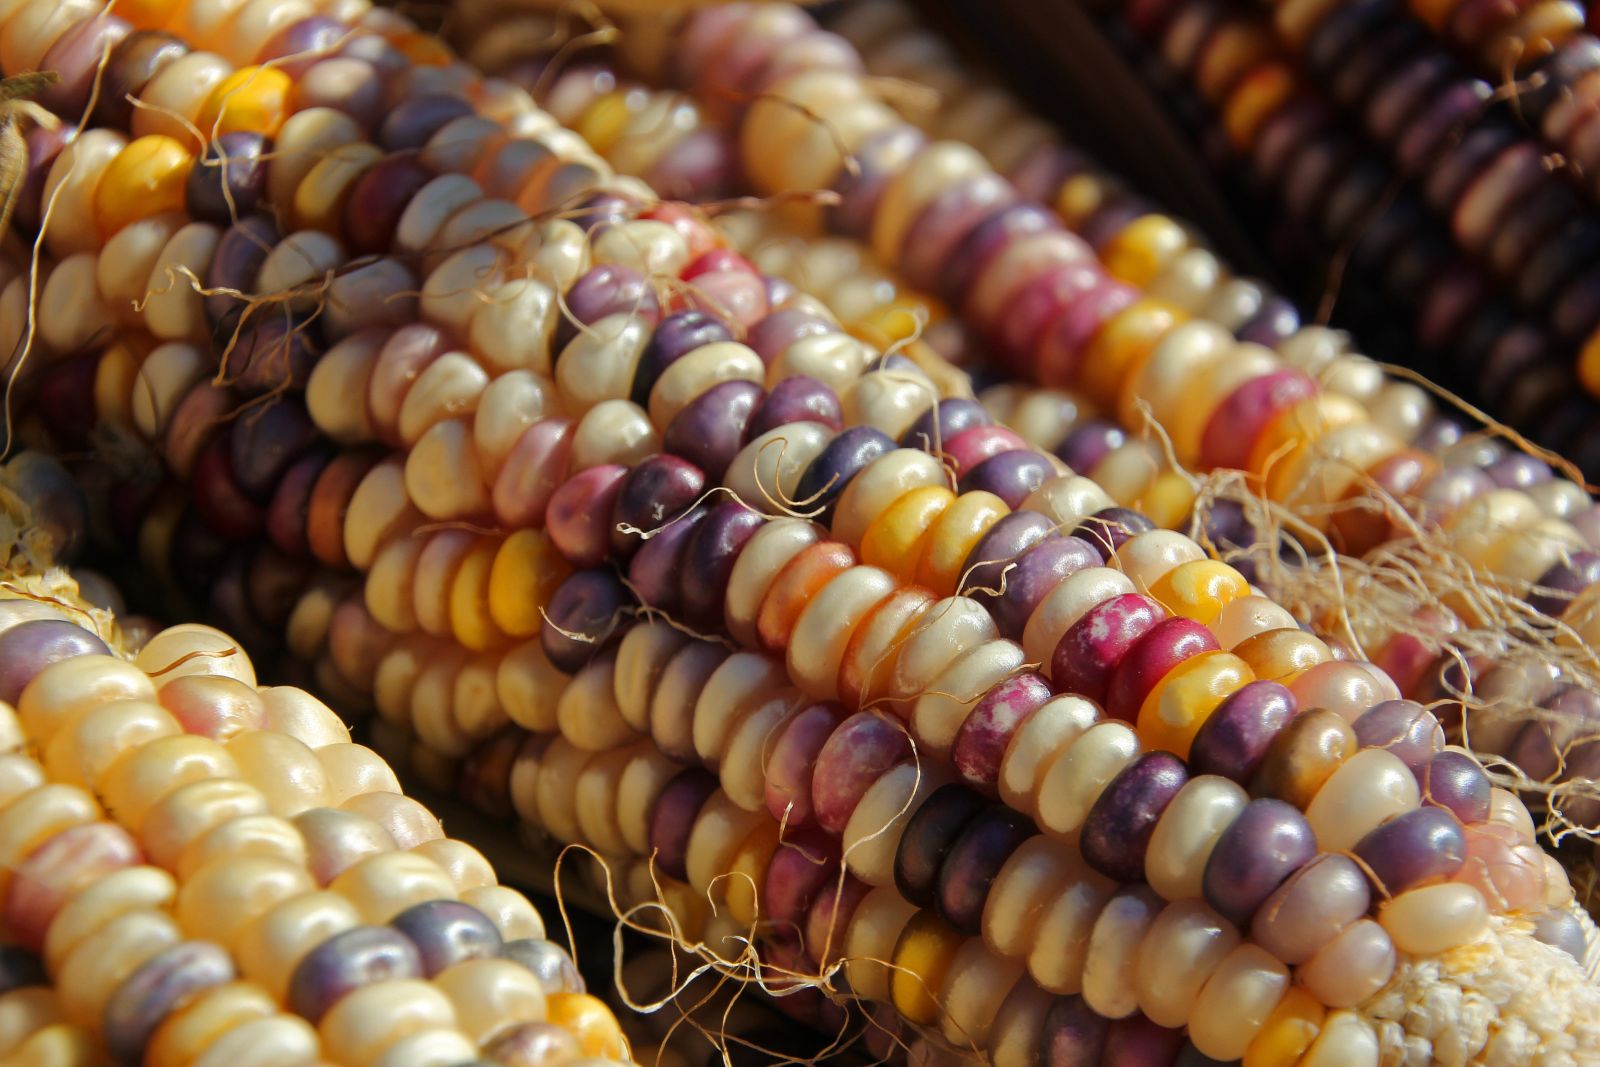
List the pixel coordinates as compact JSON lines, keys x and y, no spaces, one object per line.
{"x":1124,"y":340}
{"x":658,"y":651}
{"x":661,"y":137}
{"x":1497,"y":181}
{"x":935,"y":969}
{"x":1523,"y":39}
{"x":1271,"y":381}
{"x":1352,"y":693}
{"x":100,"y":915}
{"x":1273,"y":117}
{"x":345,"y":856}
{"x":1145,"y":248}
{"x":635,"y":800}
{"x":759,"y":613}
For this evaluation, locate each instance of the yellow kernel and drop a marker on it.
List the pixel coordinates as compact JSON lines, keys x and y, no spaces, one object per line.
{"x":603,"y":123}
{"x":146,"y":178}
{"x":748,"y":871}
{"x":1589,"y":363}
{"x":590,"y":1021}
{"x":894,"y":322}
{"x":1199,"y":589}
{"x":1258,"y":95}
{"x":1123,"y":343}
{"x":1081,"y":196}
{"x":894,"y":540}
{"x":1168,"y":500}
{"x":471,"y":619}
{"x":147,"y":14}
{"x":527,"y":568}
{"x":250,"y":100}
{"x":953,"y":536}
{"x":1291,"y":1028}
{"x":1182,"y":702}
{"x":1144,"y":248}
{"x":921,"y":960}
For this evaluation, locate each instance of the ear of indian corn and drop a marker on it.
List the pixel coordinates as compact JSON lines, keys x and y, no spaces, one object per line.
{"x":209,"y":870}
{"x":1509,"y":525}
{"x":941,"y":565}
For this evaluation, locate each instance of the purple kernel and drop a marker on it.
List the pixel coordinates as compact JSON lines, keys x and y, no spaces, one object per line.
{"x":1072,"y":1034}
{"x":798,"y":399}
{"x":1117,"y":832}
{"x":1011,"y":476}
{"x":980,"y":743}
{"x":1268,"y":842}
{"x":146,"y":997}
{"x":1558,"y":586}
{"x":943,"y":421}
{"x":446,"y":932}
{"x":770,"y":337}
{"x":1518,"y":470}
{"x":708,"y":559}
{"x":656,"y":570}
{"x":1454,"y":781}
{"x":302,"y":43}
{"x":974,"y":859}
{"x":1038,"y":570}
{"x":1110,"y":528}
{"x":1234,"y":740}
{"x":1420,"y":847}
{"x":1135,"y":1041}
{"x":986,"y":240}
{"x":985,"y":571}
{"x":844,"y":457}
{"x":928,"y":835}
{"x":604,"y":290}
{"x":265,"y":441}
{"x":674,"y":337}
{"x":1090,"y":442}
{"x":585,"y":610}
{"x":548,"y":962}
{"x":236,"y":262}
{"x":1543,"y":747}
{"x":228,"y":180}
{"x":603,"y":207}
{"x":1404,"y":727}
{"x":710,"y":431}
{"x":347,"y":961}
{"x":1312,"y":907}
{"x":30,"y":647}
{"x":412,"y":122}
{"x":804,"y":863}
{"x":880,"y":157}
{"x":268,"y":350}
{"x":657,"y":490}
{"x":673,"y":817}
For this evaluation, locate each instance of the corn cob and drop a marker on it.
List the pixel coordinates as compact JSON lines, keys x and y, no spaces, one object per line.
{"x":897,"y":148}
{"x":238,"y":855}
{"x":558,"y":770}
{"x":597,"y":731}
{"x":1545,"y":43}
{"x":1535,"y":545}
